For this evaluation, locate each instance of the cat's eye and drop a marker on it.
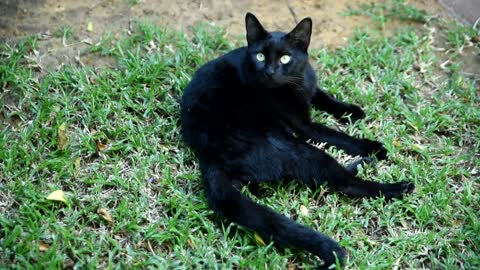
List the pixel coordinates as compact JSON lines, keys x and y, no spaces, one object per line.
{"x":260,"y":57}
{"x":285,"y":59}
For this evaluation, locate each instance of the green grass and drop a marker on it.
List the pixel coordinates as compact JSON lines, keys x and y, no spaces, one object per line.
{"x":387,"y":10}
{"x":64,"y":32}
{"x":149,"y":182}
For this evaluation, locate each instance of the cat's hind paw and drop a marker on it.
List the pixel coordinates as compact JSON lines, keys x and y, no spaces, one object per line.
{"x":353,"y":167}
{"x":374,"y":148}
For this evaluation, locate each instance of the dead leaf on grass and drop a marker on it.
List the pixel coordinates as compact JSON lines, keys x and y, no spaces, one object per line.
{"x":90,"y":26}
{"x":77,"y":164}
{"x":57,"y":195}
{"x":259,"y":239}
{"x":42,"y":246}
{"x":191,"y":243}
{"x":291,"y":267}
{"x":105,"y":215}
{"x":303,"y":210}
{"x":62,"y":138}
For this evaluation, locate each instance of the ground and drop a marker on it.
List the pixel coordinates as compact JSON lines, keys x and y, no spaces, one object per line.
{"x":89,"y":113}
{"x":331,"y":28}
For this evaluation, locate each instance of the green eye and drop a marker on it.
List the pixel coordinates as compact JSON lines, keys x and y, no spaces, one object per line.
{"x":260,"y":57}
{"x":285,"y":59}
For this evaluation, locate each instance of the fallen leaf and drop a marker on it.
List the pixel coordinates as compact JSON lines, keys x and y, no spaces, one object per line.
{"x":259,"y":239}
{"x":105,"y":215}
{"x":62,"y":138}
{"x":191,"y":243}
{"x":42,"y":246}
{"x":291,"y":267}
{"x":102,"y":146}
{"x":90,"y":26}
{"x":396,"y":143}
{"x":56,"y":108}
{"x":397,"y":263}
{"x":68,"y":263}
{"x":412,"y":125}
{"x":57,"y":195}
{"x":77,"y":165}
{"x":303,"y":210}
{"x":419,"y":147}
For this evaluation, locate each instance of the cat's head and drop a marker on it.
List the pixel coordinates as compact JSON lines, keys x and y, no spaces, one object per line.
{"x":277,"y":58}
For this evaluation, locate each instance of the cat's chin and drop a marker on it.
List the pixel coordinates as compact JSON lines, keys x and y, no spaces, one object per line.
{"x":269,"y":84}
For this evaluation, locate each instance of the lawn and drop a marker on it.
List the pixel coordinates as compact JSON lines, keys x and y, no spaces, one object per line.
{"x":109,"y":138}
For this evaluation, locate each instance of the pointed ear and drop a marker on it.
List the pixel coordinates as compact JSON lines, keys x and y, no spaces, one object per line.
{"x":255,"y":31}
{"x":300,"y":35}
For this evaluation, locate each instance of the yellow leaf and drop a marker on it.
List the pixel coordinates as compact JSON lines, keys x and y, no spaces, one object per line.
{"x":104,"y":213}
{"x":419,"y":147}
{"x":191,"y":243}
{"x":412,"y":125}
{"x":396,"y":143}
{"x":42,"y":246}
{"x":90,"y":26}
{"x":102,"y":146}
{"x":259,"y":239}
{"x":57,"y":195}
{"x":303,"y":210}
{"x":62,"y":138}
{"x":77,"y":164}
{"x":291,"y":267}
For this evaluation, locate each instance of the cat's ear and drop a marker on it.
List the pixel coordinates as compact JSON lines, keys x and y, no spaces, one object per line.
{"x":300,"y":35}
{"x":255,"y":31}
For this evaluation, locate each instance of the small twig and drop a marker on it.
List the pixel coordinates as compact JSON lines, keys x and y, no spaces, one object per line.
{"x":475,"y":24}
{"x":291,"y":11}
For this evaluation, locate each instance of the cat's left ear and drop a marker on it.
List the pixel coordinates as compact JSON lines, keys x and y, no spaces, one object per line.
{"x":255,"y":30}
{"x":300,"y":35}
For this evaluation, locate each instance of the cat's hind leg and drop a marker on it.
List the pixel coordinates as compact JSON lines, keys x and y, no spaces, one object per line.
{"x":353,"y":167}
{"x":224,"y":198}
{"x":280,"y":157}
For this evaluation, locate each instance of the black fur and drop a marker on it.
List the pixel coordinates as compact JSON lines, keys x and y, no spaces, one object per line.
{"x":249,"y":120}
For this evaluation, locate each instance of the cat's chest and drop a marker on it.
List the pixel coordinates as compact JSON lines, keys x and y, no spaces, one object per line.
{"x":275,"y":105}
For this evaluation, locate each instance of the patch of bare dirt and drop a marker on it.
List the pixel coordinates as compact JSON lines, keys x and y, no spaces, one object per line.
{"x":47,"y":17}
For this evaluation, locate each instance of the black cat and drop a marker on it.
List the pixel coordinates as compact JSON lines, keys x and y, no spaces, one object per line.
{"x":246,"y":115}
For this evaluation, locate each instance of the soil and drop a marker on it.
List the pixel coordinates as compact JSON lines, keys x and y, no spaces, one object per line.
{"x":19,"y":18}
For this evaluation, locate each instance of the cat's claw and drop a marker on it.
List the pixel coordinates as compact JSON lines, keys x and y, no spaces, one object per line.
{"x":397,"y":190}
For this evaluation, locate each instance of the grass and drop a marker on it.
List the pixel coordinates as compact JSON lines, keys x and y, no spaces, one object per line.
{"x":124,"y":155}
{"x":388,"y":10}
{"x":64,"y":32}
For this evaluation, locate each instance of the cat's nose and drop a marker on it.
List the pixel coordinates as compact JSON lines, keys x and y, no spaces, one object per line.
{"x":269,"y":71}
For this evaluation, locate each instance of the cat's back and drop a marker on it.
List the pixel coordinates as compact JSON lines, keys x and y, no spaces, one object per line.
{"x":215,"y":75}
{"x":210,"y":95}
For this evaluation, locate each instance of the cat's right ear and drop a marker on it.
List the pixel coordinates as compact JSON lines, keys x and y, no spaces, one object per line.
{"x":255,"y":31}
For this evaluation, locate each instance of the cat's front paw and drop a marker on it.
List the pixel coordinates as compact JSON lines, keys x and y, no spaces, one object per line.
{"x":397,"y":190}
{"x":355,"y":113}
{"x":374,"y":148}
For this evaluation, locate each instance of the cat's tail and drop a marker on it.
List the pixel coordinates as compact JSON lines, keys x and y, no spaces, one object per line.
{"x":225,"y":199}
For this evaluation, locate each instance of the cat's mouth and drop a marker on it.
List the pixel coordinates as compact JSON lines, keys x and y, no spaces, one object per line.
{"x":272,"y":82}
